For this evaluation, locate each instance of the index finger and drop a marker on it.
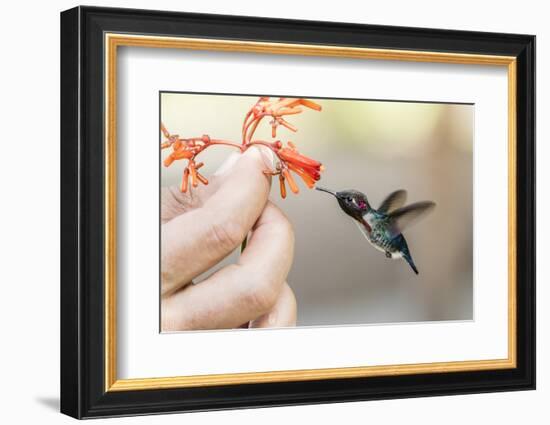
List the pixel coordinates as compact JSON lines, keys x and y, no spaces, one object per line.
{"x":195,"y":241}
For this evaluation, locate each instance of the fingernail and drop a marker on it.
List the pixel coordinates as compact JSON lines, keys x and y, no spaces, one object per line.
{"x":267,"y":156}
{"x":227,"y":164}
{"x":264,"y":153}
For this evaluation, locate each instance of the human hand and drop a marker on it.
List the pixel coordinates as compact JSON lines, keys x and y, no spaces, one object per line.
{"x":201,"y":227}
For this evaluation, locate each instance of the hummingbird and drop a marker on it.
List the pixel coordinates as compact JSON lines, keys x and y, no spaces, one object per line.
{"x":383,"y":227}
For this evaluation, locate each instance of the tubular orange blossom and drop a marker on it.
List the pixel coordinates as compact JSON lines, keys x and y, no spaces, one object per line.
{"x":193,"y":172}
{"x":282,"y":186}
{"x":202,"y":179}
{"x":168,"y":160}
{"x":308,"y":180}
{"x":291,"y":183}
{"x":185,"y":180}
{"x":310,"y":104}
{"x":298,"y":159}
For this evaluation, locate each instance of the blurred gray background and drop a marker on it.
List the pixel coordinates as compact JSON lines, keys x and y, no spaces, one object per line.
{"x":375,"y":147}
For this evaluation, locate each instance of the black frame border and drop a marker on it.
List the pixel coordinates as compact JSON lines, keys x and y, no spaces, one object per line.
{"x":82,"y":212}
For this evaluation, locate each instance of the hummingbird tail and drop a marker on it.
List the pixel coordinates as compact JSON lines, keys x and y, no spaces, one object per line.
{"x":409,"y":260}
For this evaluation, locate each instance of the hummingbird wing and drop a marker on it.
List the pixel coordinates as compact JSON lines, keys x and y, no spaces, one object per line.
{"x":402,"y":218}
{"x":393,"y":201}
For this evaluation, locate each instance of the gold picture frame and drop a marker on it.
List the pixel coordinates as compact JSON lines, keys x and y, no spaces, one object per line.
{"x":114,"y":41}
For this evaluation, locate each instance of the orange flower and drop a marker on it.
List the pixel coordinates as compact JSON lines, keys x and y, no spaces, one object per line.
{"x":276,"y":109}
{"x":308,"y":180}
{"x":282,"y":186}
{"x":181,"y":153}
{"x":291,"y":182}
{"x":291,"y":160}
{"x":292,"y":156}
{"x":185,"y":180}
{"x":192,"y":171}
{"x":310,"y":104}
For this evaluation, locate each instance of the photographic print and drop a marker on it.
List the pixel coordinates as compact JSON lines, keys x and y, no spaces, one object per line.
{"x":284,"y":211}
{"x":261,"y":212}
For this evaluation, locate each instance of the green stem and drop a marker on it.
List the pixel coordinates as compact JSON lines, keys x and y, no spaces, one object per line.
{"x":243,"y":244}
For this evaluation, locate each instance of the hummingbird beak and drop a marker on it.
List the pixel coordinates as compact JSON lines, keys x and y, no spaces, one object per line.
{"x":322,"y":189}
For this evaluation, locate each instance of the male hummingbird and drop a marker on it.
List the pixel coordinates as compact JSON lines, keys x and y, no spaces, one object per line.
{"x":383,"y":227}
